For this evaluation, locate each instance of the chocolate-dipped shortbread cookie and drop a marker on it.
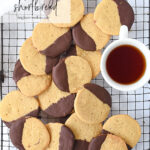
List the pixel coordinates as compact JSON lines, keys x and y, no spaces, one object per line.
{"x":29,"y":84}
{"x":92,"y":104}
{"x":110,"y":15}
{"x":51,"y":40}
{"x":55,"y":102}
{"x":61,"y":137}
{"x":125,"y":127}
{"x":83,"y":132}
{"x":107,"y":142}
{"x":34,"y":62}
{"x":29,"y":134}
{"x":88,"y":36}
{"x":71,"y":73}
{"x":15,"y":106}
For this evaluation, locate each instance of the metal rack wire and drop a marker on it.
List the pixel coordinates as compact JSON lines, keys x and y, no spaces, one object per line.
{"x":135,"y":103}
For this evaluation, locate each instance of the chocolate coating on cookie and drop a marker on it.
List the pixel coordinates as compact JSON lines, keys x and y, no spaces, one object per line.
{"x":60,"y":77}
{"x":125,"y":12}
{"x":62,"y":108}
{"x":66,"y":74}
{"x":59,"y":46}
{"x":16,"y":131}
{"x":107,"y":141}
{"x":107,"y":132}
{"x":19,"y":72}
{"x":82,"y":39}
{"x":97,"y":142}
{"x":66,"y":140}
{"x":50,"y":63}
{"x":99,"y":92}
{"x":50,"y":119}
{"x":72,"y":51}
{"x":33,"y":114}
{"x":81,"y":145}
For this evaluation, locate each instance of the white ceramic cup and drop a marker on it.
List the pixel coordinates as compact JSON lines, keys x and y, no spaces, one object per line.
{"x":124,"y":40}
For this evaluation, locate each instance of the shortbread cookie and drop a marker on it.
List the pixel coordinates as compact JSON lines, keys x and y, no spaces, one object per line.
{"x":61,"y":137}
{"x":92,"y":104}
{"x":29,"y":134}
{"x":107,"y":142}
{"x":83,"y":132}
{"x":71,"y":74}
{"x":55,"y":102}
{"x":34,"y":62}
{"x":88,"y":36}
{"x":93,"y":58}
{"x":15,"y":106}
{"x":30,"y":85}
{"x":51,"y":40}
{"x":76,"y":13}
{"x":125,"y":127}
{"x":110,"y":15}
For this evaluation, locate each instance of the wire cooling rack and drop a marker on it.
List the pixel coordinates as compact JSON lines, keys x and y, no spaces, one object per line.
{"x":135,"y":103}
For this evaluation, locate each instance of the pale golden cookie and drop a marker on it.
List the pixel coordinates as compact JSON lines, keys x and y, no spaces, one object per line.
{"x":15,"y":106}
{"x":107,"y":142}
{"x":88,"y":36}
{"x":55,"y":102}
{"x":51,"y":40}
{"x":61,"y":137}
{"x":30,"y":85}
{"x":34,"y":62}
{"x":35,"y":135}
{"x":93,"y":58}
{"x":30,"y":134}
{"x":34,"y":85}
{"x":109,"y":15}
{"x":76,"y":13}
{"x":82,"y":130}
{"x":71,"y":73}
{"x":125,"y":127}
{"x":92,"y":104}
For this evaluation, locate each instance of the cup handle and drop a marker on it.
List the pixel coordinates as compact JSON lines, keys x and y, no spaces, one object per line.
{"x":123,"y":32}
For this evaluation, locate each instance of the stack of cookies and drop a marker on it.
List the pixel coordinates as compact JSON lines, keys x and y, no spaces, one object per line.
{"x":53,"y":76}
{"x":84,"y":128}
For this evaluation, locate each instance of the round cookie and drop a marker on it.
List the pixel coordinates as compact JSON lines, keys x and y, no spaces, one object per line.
{"x":125,"y":127}
{"x":107,"y":142}
{"x":83,"y":132}
{"x":92,"y":104}
{"x":61,"y":137}
{"x":71,"y":74}
{"x":93,"y":58}
{"x":34,"y":62}
{"x":51,"y":40}
{"x":15,"y":106}
{"x":29,"y":84}
{"x":55,"y":102}
{"x":29,"y":134}
{"x":110,"y":15}
{"x":88,"y":36}
{"x":76,"y":13}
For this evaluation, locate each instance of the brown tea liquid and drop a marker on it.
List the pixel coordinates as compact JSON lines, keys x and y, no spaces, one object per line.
{"x":126,"y":64}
